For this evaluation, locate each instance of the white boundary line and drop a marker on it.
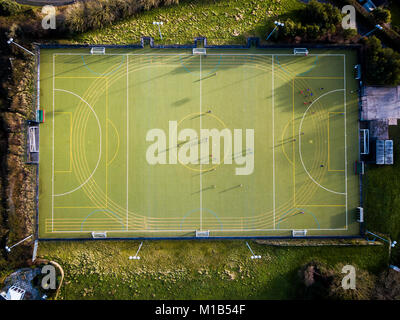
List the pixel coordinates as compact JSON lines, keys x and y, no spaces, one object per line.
{"x":209,"y":54}
{"x":191,"y":230}
{"x":127,"y":142}
{"x":273,"y":135}
{"x":345,"y":136}
{"x":201,"y":167}
{"x":100,"y":150}
{"x":217,"y":54}
{"x":52,"y":177}
{"x":301,"y":157}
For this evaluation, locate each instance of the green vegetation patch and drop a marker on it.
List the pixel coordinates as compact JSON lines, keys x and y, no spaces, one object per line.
{"x":220,"y":21}
{"x":194,"y":270}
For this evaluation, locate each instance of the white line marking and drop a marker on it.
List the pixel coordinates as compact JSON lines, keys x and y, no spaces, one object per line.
{"x":52,"y":178}
{"x":273,"y":136}
{"x":209,"y":54}
{"x":301,"y":157}
{"x":127,"y":141}
{"x":191,"y":230}
{"x":99,"y":158}
{"x":345,"y":137}
{"x":201,"y":176}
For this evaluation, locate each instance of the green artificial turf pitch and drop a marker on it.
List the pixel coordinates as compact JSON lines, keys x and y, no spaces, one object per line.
{"x":94,"y":174}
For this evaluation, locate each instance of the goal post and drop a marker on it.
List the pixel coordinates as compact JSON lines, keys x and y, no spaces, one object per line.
{"x":357,"y":72}
{"x":202,"y":233}
{"x":99,"y":234}
{"x":300,"y":51}
{"x":299,"y":233}
{"x":360,"y":214}
{"x":199,"y":51}
{"x":98,"y":50}
{"x":364,"y":145}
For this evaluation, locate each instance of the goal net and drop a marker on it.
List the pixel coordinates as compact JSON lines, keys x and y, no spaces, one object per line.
{"x":360,"y":214}
{"x":199,"y":51}
{"x":300,"y":51}
{"x":98,"y":50}
{"x":99,"y":235}
{"x":357,"y":72}
{"x":299,"y":233}
{"x":202,"y":234}
{"x":32,"y":132}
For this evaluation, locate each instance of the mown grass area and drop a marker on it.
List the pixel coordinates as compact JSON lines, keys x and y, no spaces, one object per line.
{"x":224,"y":21}
{"x":194,"y":269}
{"x":382,"y":194}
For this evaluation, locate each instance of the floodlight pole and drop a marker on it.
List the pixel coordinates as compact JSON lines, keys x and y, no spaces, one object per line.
{"x":9,"y":248}
{"x":136,"y":257}
{"x":158,"y":23}
{"x":392,"y":244}
{"x":11,"y":41}
{"x":253,"y":255}
{"x":277,"y":24}
{"x":377,"y":27}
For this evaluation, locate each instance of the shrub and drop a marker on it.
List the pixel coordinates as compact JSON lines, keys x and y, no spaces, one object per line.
{"x":382,"y":15}
{"x":83,"y":16}
{"x":321,"y":14}
{"x":383,"y":64}
{"x":320,"y":281}
{"x":349,"y":33}
{"x":9,"y":7}
{"x":316,"y":20}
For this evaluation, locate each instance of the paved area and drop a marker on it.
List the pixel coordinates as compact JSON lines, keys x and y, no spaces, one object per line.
{"x":379,"y":129}
{"x":381,"y":103}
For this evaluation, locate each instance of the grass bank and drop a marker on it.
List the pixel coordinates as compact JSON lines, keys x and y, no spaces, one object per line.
{"x":194,"y":269}
{"x":225,"y":21}
{"x":382,"y":195}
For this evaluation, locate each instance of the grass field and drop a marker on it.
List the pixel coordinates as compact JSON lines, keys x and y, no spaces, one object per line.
{"x":94,"y":174}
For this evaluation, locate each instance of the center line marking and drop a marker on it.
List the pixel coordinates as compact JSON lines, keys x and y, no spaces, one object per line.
{"x":127,"y":140}
{"x":273,"y":139}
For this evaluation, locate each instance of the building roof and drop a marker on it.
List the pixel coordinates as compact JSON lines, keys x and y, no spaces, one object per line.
{"x":15,"y":293}
{"x":381,"y":103}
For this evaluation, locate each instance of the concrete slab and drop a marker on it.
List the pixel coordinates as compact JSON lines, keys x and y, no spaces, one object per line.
{"x":381,"y":103}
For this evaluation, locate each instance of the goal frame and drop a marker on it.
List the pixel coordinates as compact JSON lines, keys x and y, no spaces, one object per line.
{"x":98,"y":50}
{"x":299,"y":233}
{"x":199,"y":51}
{"x":202,"y":233}
{"x":300,"y":52}
{"x":99,"y":234}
